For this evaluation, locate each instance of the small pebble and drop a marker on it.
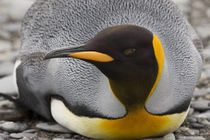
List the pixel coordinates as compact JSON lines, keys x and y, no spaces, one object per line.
{"x":22,"y":135}
{"x":6,"y":68}
{"x":5,"y":35}
{"x":12,"y":126}
{"x":201,"y":105}
{"x":5,"y":46}
{"x":2,"y":138}
{"x":192,"y":119}
{"x":206,"y":123}
{"x":191,"y":138}
{"x":17,"y":44}
{"x":12,"y":27}
{"x":200,"y":93}
{"x":169,"y":137}
{"x":43,"y":138}
{"x":66,"y":135}
{"x":191,"y":111}
{"x":9,"y":56}
{"x":206,"y":54}
{"x":208,"y":12}
{"x":11,"y":114}
{"x":197,"y":125}
{"x":7,"y":104}
{"x":204,"y":31}
{"x":160,"y":138}
{"x":183,"y":129}
{"x":30,"y":131}
{"x":3,"y":19}
{"x":26,"y":138}
{"x":205,"y":115}
{"x":15,"y":9}
{"x":52,"y":127}
{"x":193,"y":131}
{"x":61,"y":139}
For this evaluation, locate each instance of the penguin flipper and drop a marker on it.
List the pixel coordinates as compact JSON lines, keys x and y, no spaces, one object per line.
{"x":8,"y":87}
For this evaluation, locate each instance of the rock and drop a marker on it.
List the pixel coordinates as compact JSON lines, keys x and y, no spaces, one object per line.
{"x":197,"y":125}
{"x":43,"y":138}
{"x":8,"y":87}
{"x":5,"y":46}
{"x":205,"y":115}
{"x":52,"y":127}
{"x":9,"y":56}
{"x":207,"y":97}
{"x":11,"y":114}
{"x":6,"y":104}
{"x":22,"y":135}
{"x":61,"y":139}
{"x":1,"y":99}
{"x":5,"y":35}
{"x":191,"y":119}
{"x":191,"y":138}
{"x":15,"y":9}
{"x":30,"y":131}
{"x":191,"y":111}
{"x":3,"y":18}
{"x":203,"y":31}
{"x":203,"y":80}
{"x":17,"y":44}
{"x":12,"y":126}
{"x":198,"y":5}
{"x":169,"y":137}
{"x":206,"y":54}
{"x":26,"y":138}
{"x":200,"y":92}
{"x":183,"y":5}
{"x":4,"y":135}
{"x":6,"y":68}
{"x":206,"y":66}
{"x":206,"y":123}
{"x":193,"y":132}
{"x":201,"y":105}
{"x":12,"y":27}
{"x":187,"y":131}
{"x":2,"y":138}
{"x":66,"y":135}
{"x":208,"y":12}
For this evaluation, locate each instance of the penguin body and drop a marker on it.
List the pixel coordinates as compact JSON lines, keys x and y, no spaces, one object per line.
{"x":81,"y":96}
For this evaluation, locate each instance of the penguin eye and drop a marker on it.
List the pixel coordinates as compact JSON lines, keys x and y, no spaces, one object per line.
{"x":129,"y":52}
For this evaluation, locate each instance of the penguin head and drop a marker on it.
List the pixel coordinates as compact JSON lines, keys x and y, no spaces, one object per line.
{"x":124,"y":51}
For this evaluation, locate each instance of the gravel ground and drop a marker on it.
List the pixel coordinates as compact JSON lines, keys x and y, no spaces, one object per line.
{"x":18,"y":123}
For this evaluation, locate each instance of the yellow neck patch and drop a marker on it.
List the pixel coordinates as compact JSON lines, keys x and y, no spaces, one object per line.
{"x":159,"y":54}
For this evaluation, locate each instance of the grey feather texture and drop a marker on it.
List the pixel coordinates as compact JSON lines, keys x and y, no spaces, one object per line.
{"x":53,"y":24}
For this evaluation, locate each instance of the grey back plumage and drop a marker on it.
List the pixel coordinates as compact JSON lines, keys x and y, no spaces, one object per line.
{"x":53,"y":24}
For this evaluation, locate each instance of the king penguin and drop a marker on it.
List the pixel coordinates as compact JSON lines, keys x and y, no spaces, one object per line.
{"x":108,"y":69}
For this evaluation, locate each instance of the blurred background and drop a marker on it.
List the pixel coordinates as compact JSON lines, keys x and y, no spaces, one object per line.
{"x":18,"y":124}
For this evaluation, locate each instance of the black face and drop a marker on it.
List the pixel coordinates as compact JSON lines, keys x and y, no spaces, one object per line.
{"x":132,"y":50}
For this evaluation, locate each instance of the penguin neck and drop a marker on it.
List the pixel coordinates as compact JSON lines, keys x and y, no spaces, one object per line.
{"x":133,"y":93}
